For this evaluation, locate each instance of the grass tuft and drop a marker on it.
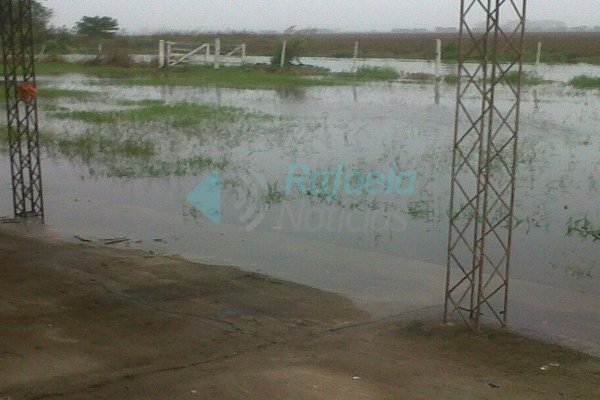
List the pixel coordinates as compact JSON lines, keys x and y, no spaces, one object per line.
{"x":585,"y":82}
{"x":181,"y":115}
{"x":377,"y":73}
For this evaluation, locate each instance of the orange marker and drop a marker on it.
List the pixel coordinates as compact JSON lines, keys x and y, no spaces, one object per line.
{"x":27,"y":92}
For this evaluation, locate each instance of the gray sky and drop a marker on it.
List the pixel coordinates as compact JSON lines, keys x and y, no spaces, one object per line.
{"x":347,"y":15}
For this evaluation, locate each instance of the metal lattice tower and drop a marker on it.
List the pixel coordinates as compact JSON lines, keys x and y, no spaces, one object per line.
{"x":484,"y":162}
{"x":16,"y":25}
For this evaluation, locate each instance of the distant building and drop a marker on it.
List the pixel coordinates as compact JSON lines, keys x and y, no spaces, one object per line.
{"x":441,"y":29}
{"x":407,"y":30}
{"x":583,"y":28}
{"x":294,"y":30}
{"x":546,"y":25}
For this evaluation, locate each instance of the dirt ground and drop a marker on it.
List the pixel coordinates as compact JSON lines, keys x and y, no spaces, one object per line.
{"x":86,"y":322}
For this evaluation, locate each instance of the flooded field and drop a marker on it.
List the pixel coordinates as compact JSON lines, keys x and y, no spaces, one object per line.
{"x":121,"y":161}
{"x":550,"y":72}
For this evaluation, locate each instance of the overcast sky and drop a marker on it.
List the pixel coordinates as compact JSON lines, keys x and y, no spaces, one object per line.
{"x":347,"y":15}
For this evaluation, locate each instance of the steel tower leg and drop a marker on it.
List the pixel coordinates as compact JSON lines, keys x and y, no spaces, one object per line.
{"x":16,"y":29}
{"x":484,"y":161}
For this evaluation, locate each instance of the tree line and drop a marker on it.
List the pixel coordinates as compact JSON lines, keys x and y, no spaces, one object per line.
{"x":51,"y":36}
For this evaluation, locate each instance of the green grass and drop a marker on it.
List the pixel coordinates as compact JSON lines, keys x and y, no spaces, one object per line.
{"x":420,"y":77}
{"x":52,"y":94}
{"x":67,"y":93}
{"x":44,"y":138}
{"x":179,"y":115}
{"x":585,"y":82}
{"x":528,"y":79}
{"x":245,"y":77}
{"x":377,"y":74}
{"x":451,"y":79}
{"x":364,"y":74}
{"x":141,"y":103}
{"x":90,"y":145}
{"x":114,"y":155}
{"x":584,"y":228}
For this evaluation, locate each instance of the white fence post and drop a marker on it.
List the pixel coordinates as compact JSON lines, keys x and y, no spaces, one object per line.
{"x":207,"y":55}
{"x":217,"y":53}
{"x":283,"y":51}
{"x":438,"y":59}
{"x":243,"y":53}
{"x":168,"y":55}
{"x":355,"y":59}
{"x":538,"y":57}
{"x":161,"y":54}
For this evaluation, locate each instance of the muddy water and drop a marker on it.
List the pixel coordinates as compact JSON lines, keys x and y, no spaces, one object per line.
{"x":384,"y":251}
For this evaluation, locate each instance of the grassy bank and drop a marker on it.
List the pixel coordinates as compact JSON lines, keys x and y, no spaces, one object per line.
{"x":251,"y":76}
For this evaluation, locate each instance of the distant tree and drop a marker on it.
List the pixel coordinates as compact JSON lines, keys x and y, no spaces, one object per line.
{"x":41,"y":19}
{"x":97,"y":26}
{"x":58,"y":41}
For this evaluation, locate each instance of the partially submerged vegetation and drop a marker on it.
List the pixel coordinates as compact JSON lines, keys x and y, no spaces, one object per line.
{"x":377,"y":73}
{"x":244,"y":77}
{"x":419,"y":77}
{"x":52,"y":94}
{"x":585,"y":82}
{"x":114,"y":154}
{"x":180,"y":115}
{"x":527,"y":78}
{"x":584,"y":228}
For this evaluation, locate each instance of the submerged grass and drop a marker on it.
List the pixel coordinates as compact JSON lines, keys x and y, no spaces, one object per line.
{"x":583,"y":227}
{"x":53,"y":94}
{"x":89,"y":146}
{"x":117,"y":155}
{"x":67,"y":93}
{"x":528,"y":79}
{"x":585,"y":82}
{"x":179,"y":115}
{"x":377,"y":74}
{"x":142,"y":103}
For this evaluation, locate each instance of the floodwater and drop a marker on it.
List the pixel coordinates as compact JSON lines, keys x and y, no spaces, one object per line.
{"x":551,"y":72}
{"x":386,"y":252}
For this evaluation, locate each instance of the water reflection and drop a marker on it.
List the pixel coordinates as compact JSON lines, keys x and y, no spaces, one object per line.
{"x":437,"y":91}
